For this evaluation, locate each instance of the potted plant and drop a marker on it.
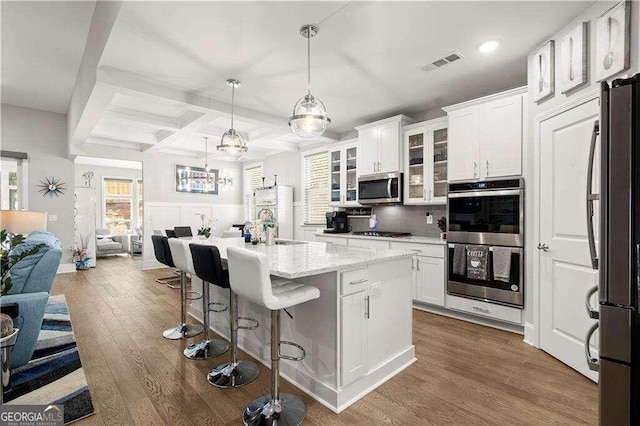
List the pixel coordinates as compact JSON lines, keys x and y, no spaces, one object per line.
{"x":207,"y":224}
{"x":442,"y":224}
{"x":7,"y":260}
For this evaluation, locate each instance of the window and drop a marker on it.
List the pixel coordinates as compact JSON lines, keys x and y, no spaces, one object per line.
{"x":315,"y":188}
{"x":118,"y":200}
{"x":140,"y":195}
{"x":252,"y":180}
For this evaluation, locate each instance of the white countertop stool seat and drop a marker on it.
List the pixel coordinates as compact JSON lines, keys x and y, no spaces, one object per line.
{"x":249,"y":278}
{"x":206,"y":348}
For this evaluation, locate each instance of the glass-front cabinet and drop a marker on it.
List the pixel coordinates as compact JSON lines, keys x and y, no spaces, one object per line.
{"x":344,"y":176}
{"x":426,"y":162}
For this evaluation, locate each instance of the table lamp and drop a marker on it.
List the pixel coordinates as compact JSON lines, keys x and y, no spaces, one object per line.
{"x":22,"y":222}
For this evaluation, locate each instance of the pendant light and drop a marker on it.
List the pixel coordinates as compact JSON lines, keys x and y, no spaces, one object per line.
{"x":309,"y":119}
{"x":232,"y":145}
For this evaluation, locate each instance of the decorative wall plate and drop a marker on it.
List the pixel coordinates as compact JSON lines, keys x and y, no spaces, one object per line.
{"x":544,"y":72}
{"x":612,"y":41}
{"x":573,"y":58}
{"x":52,"y":186}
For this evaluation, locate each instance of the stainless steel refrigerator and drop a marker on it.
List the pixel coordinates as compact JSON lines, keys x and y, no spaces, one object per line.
{"x":618,"y":259}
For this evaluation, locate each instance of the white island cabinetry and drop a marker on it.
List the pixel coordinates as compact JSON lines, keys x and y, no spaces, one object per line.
{"x":356,"y":335}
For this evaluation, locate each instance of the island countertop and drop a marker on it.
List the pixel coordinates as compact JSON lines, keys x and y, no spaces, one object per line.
{"x":295,"y":259}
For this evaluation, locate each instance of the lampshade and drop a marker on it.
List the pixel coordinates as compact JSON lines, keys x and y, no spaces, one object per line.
{"x":309,"y":119}
{"x":232,"y":146}
{"x":22,"y":222}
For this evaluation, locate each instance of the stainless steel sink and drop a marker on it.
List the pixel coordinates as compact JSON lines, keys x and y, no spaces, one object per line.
{"x":289,"y":242}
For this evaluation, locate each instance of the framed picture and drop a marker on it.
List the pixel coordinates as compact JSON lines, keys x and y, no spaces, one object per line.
{"x":573,"y":58}
{"x":612,"y":41}
{"x":544,"y":72}
{"x":196,"y":180}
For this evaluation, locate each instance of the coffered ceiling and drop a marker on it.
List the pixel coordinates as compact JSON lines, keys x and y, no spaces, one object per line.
{"x":160,"y":80}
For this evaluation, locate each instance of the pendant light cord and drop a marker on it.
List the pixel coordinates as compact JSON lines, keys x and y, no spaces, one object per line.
{"x":233,"y":98}
{"x":206,"y":154}
{"x":309,"y":61}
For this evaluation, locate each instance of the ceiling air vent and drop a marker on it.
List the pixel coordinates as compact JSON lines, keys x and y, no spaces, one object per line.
{"x":443,"y":61}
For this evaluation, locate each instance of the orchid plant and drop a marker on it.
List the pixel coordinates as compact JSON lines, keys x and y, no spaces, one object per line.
{"x":207,"y":224}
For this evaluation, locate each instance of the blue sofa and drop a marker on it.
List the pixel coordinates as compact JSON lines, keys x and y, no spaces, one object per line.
{"x":32,"y":280}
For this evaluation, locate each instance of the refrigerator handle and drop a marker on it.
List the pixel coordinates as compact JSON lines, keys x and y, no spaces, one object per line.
{"x":587,"y":302}
{"x":592,"y":362}
{"x":591,"y":197}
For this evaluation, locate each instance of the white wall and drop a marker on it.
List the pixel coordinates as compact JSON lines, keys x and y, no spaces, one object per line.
{"x":556,"y":101}
{"x":99,"y":173}
{"x":43,"y":135}
{"x":166,"y":208}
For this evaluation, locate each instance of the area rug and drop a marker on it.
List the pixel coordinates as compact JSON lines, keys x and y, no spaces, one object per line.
{"x":54,"y":375}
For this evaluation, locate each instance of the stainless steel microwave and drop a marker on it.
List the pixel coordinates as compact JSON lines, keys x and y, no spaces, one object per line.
{"x":382,"y":188}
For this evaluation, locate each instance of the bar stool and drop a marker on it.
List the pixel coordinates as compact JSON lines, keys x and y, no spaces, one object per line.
{"x":245,"y":268}
{"x":163,"y":255}
{"x":206,"y":348}
{"x":236,"y":373}
{"x":182,"y":231}
{"x":182,"y":330}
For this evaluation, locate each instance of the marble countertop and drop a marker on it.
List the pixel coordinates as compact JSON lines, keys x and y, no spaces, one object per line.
{"x":299,"y":259}
{"x":410,"y":239}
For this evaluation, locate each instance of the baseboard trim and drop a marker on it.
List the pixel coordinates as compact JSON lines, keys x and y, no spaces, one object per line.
{"x":513,"y":328}
{"x":65,"y":268}
{"x":530,"y":334}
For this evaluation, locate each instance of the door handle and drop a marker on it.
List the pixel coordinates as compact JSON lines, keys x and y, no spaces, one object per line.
{"x":417,"y":264}
{"x":592,"y":362}
{"x":591,"y":197}
{"x":487,"y":162}
{"x":543,"y":247}
{"x":475,"y":169}
{"x":587,"y":302}
{"x":366,"y":307}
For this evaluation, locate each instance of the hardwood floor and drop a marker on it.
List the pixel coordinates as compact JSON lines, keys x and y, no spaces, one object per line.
{"x":466,"y":374}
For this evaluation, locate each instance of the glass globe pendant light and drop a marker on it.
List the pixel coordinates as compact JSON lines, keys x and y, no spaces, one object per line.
{"x":232,"y":145}
{"x":309,"y":119}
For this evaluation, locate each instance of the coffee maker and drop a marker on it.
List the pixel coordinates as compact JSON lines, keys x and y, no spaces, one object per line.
{"x":337,"y":222}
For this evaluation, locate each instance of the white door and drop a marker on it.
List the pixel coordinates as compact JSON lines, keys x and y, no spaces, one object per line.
{"x":464,"y":143}
{"x":565,"y":268}
{"x":368,"y":140}
{"x":354,"y":338}
{"x":501,"y":153}
{"x":430,"y":280}
{"x":389,"y":148}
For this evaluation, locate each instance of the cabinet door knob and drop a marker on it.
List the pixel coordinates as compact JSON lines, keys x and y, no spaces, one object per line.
{"x":543,"y":247}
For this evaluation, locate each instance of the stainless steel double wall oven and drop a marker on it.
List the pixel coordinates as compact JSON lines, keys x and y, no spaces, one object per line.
{"x":488,"y":213}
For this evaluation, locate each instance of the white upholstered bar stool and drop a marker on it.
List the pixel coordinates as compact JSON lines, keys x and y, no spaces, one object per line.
{"x":206,"y":348}
{"x":249,"y":278}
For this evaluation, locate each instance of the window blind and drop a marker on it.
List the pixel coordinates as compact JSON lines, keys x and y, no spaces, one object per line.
{"x":252,"y":180}
{"x":316,"y":188}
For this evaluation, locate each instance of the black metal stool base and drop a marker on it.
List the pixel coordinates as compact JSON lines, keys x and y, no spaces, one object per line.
{"x":233,"y":375}
{"x":288,"y":411}
{"x":206,"y":349}
{"x":183,"y":331}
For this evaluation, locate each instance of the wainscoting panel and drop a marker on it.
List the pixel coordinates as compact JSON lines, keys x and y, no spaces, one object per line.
{"x":159,"y":215}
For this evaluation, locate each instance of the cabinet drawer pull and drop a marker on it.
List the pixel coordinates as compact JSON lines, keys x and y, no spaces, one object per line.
{"x":358,"y":281}
{"x":479,"y":309}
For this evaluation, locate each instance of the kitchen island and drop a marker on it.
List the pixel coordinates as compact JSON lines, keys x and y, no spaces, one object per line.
{"x":357,"y":335}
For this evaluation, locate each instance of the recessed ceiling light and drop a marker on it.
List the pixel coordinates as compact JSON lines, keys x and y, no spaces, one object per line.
{"x":489,"y":46}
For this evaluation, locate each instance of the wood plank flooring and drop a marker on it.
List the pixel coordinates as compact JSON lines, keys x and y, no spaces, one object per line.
{"x":466,"y":374}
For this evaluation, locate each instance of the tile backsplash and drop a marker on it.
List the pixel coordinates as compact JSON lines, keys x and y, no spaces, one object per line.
{"x":411,"y":219}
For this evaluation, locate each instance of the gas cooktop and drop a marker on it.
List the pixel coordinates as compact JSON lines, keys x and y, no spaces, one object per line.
{"x":383,"y":234}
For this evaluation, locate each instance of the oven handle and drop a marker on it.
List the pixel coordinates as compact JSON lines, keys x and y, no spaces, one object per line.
{"x":485,"y":193}
{"x":591,"y":197}
{"x":389,"y":188}
{"x":513,"y":249}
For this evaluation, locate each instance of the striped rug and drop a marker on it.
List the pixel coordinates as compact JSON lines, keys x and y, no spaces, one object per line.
{"x":54,"y":375}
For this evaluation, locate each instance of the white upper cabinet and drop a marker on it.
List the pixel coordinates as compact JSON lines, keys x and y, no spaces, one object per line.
{"x":486,"y":136}
{"x":380,"y":145}
{"x":502,"y":133}
{"x":344,"y":177}
{"x":426,"y":162}
{"x":464,"y":143}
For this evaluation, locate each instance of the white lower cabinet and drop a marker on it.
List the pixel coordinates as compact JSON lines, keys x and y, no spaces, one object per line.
{"x":357,"y":242}
{"x":429,"y":281}
{"x":334,"y":240}
{"x":354,"y":338}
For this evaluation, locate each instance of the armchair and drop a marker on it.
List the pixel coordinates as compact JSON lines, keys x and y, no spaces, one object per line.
{"x":110,"y":244}
{"x":32,"y":280}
